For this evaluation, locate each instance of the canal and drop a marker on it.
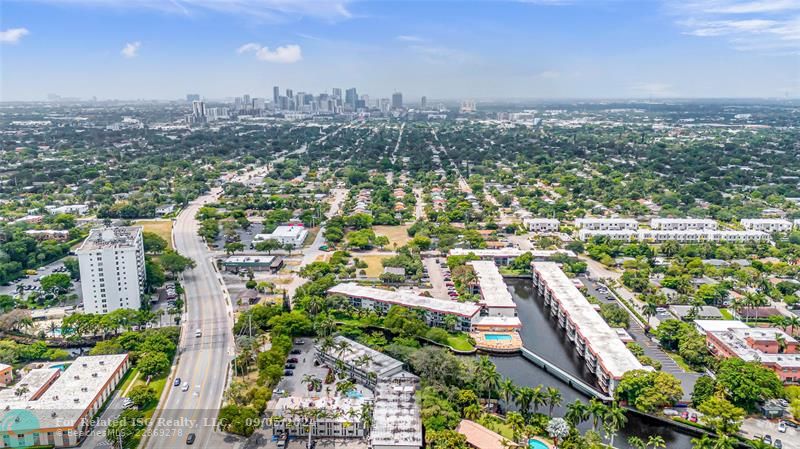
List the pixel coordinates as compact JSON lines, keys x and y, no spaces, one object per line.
{"x":542,"y":335}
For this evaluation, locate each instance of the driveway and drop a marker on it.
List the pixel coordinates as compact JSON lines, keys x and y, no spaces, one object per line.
{"x":757,"y":428}
{"x":438,"y":290}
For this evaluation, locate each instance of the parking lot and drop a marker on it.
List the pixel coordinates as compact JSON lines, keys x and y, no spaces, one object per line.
{"x":758,"y":428}
{"x":31,"y":283}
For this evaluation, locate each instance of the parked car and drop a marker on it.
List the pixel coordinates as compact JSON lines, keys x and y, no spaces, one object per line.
{"x":767,"y":439}
{"x":299,"y":342}
{"x":685,"y":414}
{"x":778,"y":444}
{"x":290,"y":366}
{"x":295,"y":351}
{"x":288,"y":372}
{"x":693,"y":417}
{"x":292,"y":360}
{"x":782,"y":427}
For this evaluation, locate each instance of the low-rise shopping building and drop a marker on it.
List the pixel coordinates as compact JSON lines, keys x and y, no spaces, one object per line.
{"x":252,"y":263}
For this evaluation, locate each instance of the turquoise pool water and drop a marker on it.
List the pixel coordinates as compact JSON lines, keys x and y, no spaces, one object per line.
{"x":355,"y":394}
{"x":536,"y":444}
{"x":497,"y":337}
{"x":61,"y":366}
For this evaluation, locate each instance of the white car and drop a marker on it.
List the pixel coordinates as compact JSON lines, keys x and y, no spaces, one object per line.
{"x":185,"y":386}
{"x":782,"y":427}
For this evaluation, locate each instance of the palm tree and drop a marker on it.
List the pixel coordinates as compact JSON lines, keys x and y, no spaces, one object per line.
{"x":577,"y":413}
{"x":793,"y":322}
{"x":487,"y":375}
{"x":553,"y":398}
{"x":523,"y":399}
{"x":614,"y":420}
{"x":366,"y":415}
{"x":636,"y":443}
{"x":538,"y":399}
{"x":507,"y":390}
{"x":649,"y":309}
{"x":310,"y":379}
{"x":517,"y":424}
{"x":598,"y":412}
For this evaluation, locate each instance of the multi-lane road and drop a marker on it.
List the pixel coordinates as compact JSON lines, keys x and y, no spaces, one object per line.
{"x":203,"y":361}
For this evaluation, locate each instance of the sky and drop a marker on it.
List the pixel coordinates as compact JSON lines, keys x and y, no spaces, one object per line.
{"x":451,"y":49}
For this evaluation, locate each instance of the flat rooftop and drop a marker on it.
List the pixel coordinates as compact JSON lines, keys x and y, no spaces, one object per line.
{"x":735,"y":340}
{"x":396,"y":420}
{"x":406,"y":299}
{"x":604,"y":341}
{"x":494,"y":292}
{"x":288,"y":231}
{"x":348,"y":408}
{"x":379,"y":363}
{"x":63,"y":403}
{"x":510,"y":252}
{"x":109,"y":238}
{"x":249,"y":260}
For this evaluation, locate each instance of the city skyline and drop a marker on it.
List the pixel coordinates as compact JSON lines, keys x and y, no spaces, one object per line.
{"x":544,"y":49}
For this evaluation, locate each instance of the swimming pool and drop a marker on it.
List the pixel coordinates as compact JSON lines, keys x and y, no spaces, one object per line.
{"x":536,"y":444}
{"x":497,"y":337}
{"x":354,"y":394}
{"x":61,"y":366}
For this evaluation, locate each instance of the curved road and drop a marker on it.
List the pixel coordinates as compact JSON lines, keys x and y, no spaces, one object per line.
{"x":203,"y":361}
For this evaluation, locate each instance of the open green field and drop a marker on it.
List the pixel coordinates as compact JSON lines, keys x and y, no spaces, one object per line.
{"x":163,"y":228}
{"x":395,"y":234}
{"x":374,"y":265}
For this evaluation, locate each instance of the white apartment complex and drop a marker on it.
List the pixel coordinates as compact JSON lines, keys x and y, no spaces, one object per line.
{"x":287,"y":234}
{"x":769,"y":225}
{"x":541,"y":224}
{"x":112,"y":269}
{"x":685,"y":236}
{"x":683,"y":224}
{"x":607,"y":224}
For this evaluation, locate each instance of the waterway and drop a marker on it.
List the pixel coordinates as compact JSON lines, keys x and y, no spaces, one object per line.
{"x":542,"y":335}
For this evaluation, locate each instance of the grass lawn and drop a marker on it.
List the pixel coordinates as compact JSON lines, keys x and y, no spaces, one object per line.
{"x":726,"y":314}
{"x":460,"y":342}
{"x":161,"y":227}
{"x":374,"y":266}
{"x":128,"y":379}
{"x":312,"y":234}
{"x":395,"y":234}
{"x":157,"y":385}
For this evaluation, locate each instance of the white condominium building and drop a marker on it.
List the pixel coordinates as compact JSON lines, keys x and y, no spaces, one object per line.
{"x":541,"y":224}
{"x":683,"y":224}
{"x":112,"y":269}
{"x":607,"y":224}
{"x":685,"y":236}
{"x":767,"y":224}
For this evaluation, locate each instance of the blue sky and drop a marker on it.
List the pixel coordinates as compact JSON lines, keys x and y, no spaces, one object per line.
{"x":163,"y":49}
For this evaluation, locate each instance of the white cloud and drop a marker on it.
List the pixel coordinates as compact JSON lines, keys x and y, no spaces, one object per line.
{"x":748,"y":25}
{"x":409,"y":38}
{"x":286,"y":54}
{"x":267,"y":10}
{"x":13,"y":35}
{"x":131,"y":49}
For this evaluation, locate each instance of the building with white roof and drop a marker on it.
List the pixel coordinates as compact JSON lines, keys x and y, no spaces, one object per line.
{"x":294,"y":234}
{"x":58,"y":407}
{"x":771,"y":347}
{"x":504,"y":256}
{"x":680,"y":236}
{"x":74,"y":209}
{"x":601,"y":347}
{"x":768,"y":225}
{"x":541,"y":224}
{"x":380,"y":300}
{"x":396,"y":414}
{"x":340,"y":417}
{"x":366,"y":365}
{"x":112,"y":269}
{"x":48,"y":234}
{"x":683,"y":224}
{"x":606,"y":224}
{"x":495,"y":297}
